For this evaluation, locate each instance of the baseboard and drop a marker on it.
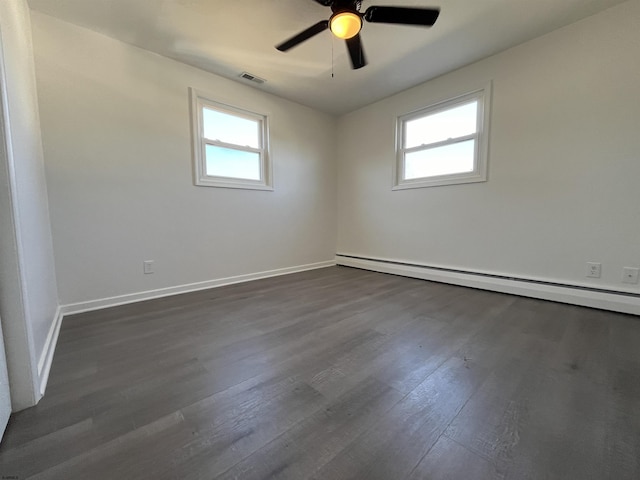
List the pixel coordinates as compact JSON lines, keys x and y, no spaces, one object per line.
{"x":191,"y":287}
{"x":617,"y":301}
{"x":46,"y":357}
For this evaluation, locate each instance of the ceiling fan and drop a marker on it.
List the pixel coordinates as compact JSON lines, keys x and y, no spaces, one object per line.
{"x":346,"y":23}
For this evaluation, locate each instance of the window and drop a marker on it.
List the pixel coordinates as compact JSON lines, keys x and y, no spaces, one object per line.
{"x":230,"y":146}
{"x":445,"y":143}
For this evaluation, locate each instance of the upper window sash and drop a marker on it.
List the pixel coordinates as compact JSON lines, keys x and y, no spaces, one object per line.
{"x":442,"y":107}
{"x":235,"y":113}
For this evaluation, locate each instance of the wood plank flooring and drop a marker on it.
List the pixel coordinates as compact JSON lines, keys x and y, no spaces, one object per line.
{"x":337,"y":374}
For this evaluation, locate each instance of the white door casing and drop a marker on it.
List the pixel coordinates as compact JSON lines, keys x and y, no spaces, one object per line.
{"x":5,"y":397}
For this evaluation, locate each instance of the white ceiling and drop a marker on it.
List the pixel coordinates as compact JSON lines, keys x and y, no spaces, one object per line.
{"x":228,"y":37}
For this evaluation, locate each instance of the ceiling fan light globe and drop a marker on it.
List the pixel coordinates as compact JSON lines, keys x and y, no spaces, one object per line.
{"x":345,"y":25}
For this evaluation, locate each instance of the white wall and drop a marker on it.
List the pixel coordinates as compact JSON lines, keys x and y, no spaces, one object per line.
{"x":28,"y":294}
{"x":116,"y":135}
{"x":564,"y":164}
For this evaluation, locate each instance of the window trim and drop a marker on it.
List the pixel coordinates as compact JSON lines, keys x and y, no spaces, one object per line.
{"x":481,"y":151}
{"x":200,"y":100}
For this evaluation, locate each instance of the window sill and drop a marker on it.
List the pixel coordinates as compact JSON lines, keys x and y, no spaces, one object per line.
{"x":439,"y":181}
{"x":202,"y":182}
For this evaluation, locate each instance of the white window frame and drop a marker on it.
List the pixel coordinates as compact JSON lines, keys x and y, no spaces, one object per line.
{"x":481,"y":151}
{"x":201,"y":100}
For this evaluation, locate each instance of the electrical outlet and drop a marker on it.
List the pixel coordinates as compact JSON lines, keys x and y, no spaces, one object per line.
{"x":594,"y":270}
{"x":147,"y":267}
{"x":630,"y":275}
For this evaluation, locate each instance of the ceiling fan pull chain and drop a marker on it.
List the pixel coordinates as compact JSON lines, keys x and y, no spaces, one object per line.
{"x":332,"y":62}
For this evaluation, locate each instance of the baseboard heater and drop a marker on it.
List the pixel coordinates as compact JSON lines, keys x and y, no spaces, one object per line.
{"x":618,"y":301}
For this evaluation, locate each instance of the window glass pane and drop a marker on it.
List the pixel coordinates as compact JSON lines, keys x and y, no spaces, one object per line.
{"x":229,"y":128}
{"x":453,"y":123}
{"x":446,"y":160}
{"x":226,"y":162}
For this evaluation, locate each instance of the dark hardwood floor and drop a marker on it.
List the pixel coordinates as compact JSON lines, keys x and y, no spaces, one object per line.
{"x":337,"y":374}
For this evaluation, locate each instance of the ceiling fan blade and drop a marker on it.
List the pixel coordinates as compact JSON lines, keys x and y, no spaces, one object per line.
{"x":305,"y":35}
{"x":356,"y":52}
{"x":403,"y":15}
{"x":326,"y":3}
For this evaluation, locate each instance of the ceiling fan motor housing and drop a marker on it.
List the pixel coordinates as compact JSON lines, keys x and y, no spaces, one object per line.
{"x":338,"y":6}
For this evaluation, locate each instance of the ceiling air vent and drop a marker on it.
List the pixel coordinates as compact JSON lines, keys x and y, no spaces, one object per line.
{"x":252,"y":78}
